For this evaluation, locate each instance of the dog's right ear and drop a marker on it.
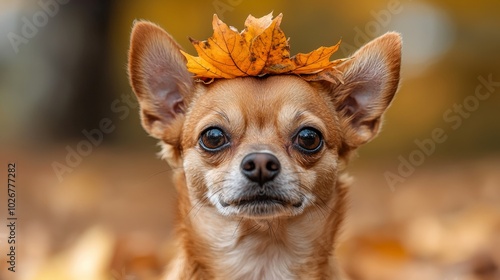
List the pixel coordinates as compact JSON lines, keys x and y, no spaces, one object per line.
{"x":160,"y":80}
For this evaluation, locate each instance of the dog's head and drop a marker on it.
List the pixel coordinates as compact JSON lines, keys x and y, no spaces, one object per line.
{"x":260,"y":147}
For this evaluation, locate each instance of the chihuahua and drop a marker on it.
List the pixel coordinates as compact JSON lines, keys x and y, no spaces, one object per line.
{"x":259,"y":162}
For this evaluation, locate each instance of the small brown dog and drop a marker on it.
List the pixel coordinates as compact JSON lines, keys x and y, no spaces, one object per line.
{"x":259,"y":162}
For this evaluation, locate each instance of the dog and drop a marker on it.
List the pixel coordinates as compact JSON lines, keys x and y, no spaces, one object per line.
{"x":259,"y":162}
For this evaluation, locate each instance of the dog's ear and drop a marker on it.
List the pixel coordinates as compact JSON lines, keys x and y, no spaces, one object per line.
{"x":159,"y":78}
{"x":371,"y":78}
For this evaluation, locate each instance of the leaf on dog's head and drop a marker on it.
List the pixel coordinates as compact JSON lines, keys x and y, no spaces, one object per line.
{"x":260,"y":49}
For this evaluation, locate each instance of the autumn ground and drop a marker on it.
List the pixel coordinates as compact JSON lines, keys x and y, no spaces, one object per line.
{"x":111,"y":218}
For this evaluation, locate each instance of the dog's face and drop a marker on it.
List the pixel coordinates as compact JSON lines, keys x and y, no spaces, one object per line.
{"x":260,"y":147}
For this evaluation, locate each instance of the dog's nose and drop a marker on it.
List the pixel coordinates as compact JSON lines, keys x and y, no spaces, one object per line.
{"x":260,"y":167}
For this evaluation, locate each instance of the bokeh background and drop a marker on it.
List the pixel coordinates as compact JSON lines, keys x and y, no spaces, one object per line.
{"x":420,"y":208}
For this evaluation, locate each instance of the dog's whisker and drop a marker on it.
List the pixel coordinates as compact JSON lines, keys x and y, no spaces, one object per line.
{"x":255,"y":227}
{"x":200,"y":204}
{"x":236,"y":228}
{"x":271,"y":230}
{"x":321,"y":204}
{"x":151,"y":176}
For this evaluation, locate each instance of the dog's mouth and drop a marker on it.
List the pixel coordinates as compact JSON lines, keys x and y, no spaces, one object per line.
{"x":263,"y":205}
{"x":261,"y":200}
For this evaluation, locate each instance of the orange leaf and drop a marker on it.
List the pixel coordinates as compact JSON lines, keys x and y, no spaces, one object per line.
{"x":256,"y":26}
{"x":258,"y":34}
{"x":202,"y":69}
{"x":314,"y":61}
{"x":226,"y":50}
{"x":261,"y":49}
{"x":332,"y":75}
{"x":278,"y":60}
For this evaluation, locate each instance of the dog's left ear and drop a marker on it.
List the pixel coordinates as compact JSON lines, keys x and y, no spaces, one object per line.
{"x":371,"y":78}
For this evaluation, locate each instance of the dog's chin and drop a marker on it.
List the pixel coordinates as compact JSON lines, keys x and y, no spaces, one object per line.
{"x":261,"y":207}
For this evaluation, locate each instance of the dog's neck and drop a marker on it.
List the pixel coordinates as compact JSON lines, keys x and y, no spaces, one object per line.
{"x":219,"y":247}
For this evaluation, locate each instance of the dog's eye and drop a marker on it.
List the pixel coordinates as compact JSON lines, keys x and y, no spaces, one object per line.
{"x":309,"y":140}
{"x":213,"y":139}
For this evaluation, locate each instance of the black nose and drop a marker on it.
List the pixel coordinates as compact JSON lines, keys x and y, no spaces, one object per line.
{"x":260,"y":167}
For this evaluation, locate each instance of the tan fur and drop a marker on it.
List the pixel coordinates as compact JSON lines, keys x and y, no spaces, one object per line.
{"x":293,"y":240}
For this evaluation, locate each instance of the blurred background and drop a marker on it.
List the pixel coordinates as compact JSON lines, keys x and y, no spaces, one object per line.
{"x":94,"y":202}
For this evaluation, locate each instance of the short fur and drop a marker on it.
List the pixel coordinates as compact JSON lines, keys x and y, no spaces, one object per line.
{"x":217,"y":237}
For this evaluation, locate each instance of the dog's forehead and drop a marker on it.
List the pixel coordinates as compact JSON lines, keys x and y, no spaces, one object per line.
{"x":257,"y":86}
{"x":256,"y":94}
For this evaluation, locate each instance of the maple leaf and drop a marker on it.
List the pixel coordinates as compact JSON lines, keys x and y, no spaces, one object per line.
{"x":260,"y":49}
{"x":314,"y":61}
{"x":331,"y":74}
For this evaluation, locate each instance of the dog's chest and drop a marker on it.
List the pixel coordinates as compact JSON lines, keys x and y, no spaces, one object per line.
{"x":250,"y":260}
